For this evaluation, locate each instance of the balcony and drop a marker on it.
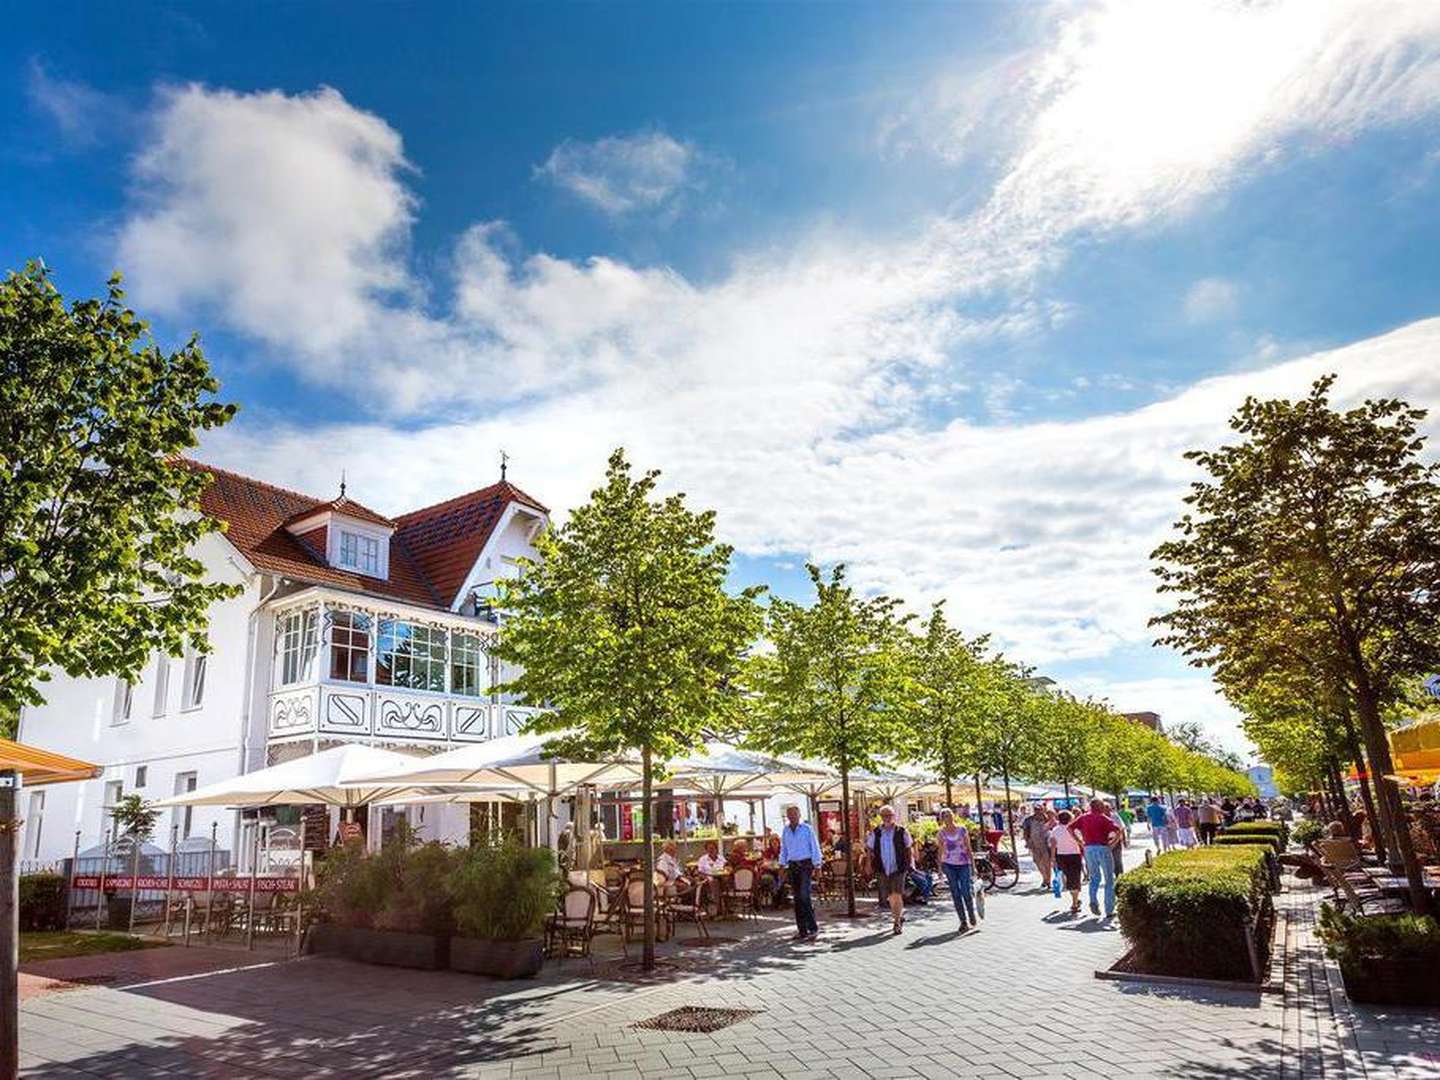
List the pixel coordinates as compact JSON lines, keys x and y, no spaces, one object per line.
{"x":388,"y":714}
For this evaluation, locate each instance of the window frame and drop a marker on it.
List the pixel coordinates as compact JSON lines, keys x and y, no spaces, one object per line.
{"x":464,"y":645}
{"x":349,"y":647}
{"x":192,"y":693}
{"x":297,"y":646}
{"x":422,"y":654}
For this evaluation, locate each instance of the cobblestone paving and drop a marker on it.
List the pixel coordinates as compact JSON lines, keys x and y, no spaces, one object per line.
{"x":1018,"y":999}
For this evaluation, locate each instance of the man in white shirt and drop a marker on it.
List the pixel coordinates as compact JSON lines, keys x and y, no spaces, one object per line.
{"x":711,"y":865}
{"x":891,"y":848}
{"x":799,"y":856}
{"x":667,"y":863}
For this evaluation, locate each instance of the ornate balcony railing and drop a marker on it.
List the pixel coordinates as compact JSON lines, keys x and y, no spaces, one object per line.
{"x":388,"y":714}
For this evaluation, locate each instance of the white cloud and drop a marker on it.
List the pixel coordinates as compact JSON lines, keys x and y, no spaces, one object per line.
{"x":648,"y":171}
{"x":81,"y":114}
{"x":1178,"y":700}
{"x":1211,"y":299}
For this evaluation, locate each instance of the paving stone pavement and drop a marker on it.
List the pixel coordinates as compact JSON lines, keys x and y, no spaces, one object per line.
{"x":1018,"y":999}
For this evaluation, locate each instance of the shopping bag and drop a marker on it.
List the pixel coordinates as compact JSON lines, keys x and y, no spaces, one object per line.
{"x":980,"y":901}
{"x":1055,"y":884}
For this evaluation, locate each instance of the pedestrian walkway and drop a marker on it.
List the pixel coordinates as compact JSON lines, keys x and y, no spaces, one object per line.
{"x":1017,"y":999}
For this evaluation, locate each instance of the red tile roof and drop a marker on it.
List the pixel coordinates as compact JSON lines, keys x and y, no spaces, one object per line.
{"x":343,"y":505}
{"x":447,"y":538}
{"x":430,"y":553}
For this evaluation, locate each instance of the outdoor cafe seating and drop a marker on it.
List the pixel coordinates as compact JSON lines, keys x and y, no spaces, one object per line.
{"x":571,"y":929}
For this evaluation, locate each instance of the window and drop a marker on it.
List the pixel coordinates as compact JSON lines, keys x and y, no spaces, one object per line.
{"x":114,"y":792}
{"x":358,"y":552}
{"x":410,"y":655}
{"x":184,"y":783}
{"x":194,"y":690}
{"x":469,"y":664}
{"x":298,"y":643}
{"x":124,"y":699}
{"x":162,"y":684}
{"x":140,"y":772}
{"x":349,"y":645}
{"x":34,"y":821}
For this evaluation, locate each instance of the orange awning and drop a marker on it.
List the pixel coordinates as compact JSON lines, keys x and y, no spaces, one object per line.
{"x":38,"y":766}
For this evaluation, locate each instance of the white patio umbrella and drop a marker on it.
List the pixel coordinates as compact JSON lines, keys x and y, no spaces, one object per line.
{"x":332,"y":777}
{"x":721,"y":769}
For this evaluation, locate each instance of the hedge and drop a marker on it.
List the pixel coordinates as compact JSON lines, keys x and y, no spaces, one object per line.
{"x":1241,"y":839}
{"x":1264,"y":828}
{"x":1188,"y":913}
{"x":42,"y":902}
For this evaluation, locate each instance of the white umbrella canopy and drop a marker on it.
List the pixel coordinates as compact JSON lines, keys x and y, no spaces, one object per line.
{"x":512,"y":762}
{"x":721,"y":769}
{"x":331,"y":777}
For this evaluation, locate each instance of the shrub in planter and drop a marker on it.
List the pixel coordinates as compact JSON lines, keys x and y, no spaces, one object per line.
{"x":1188,"y":913}
{"x":1228,"y":839}
{"x":1385,"y":959}
{"x":502,"y":894}
{"x":392,"y":907}
{"x":1277,"y":829}
{"x":42,"y":902}
{"x":1307,"y":831}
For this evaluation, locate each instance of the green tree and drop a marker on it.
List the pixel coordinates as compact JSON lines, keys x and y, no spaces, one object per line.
{"x":1313,"y":549}
{"x":1069,"y":737}
{"x":832,"y":685}
{"x":623,"y":628}
{"x":98,"y":519}
{"x":942,"y":705}
{"x":1114,"y":765}
{"x":1008,"y":736}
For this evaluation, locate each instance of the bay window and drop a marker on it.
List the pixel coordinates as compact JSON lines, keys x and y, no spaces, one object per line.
{"x":298,"y":642}
{"x":410,"y":655}
{"x":469,"y":663}
{"x":349,"y":645}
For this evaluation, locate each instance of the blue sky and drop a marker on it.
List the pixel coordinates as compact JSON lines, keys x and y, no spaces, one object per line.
{"x":942,"y":291}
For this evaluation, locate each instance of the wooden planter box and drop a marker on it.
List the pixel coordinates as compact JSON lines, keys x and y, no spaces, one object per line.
{"x":502,"y":959}
{"x":1393,"y":981}
{"x":391,"y":947}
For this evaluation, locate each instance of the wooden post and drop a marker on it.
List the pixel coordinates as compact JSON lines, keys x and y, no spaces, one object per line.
{"x":9,"y":928}
{"x":210,"y":884}
{"x":254,"y":869}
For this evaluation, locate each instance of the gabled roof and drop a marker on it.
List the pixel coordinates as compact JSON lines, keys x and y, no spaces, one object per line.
{"x":343,"y":505}
{"x":431,"y":550}
{"x":447,"y":538}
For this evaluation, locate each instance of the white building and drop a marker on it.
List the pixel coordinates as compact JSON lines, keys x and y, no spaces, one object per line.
{"x":350,"y":626}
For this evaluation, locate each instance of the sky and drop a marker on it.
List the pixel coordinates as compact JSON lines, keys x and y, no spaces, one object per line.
{"x":940,"y":291}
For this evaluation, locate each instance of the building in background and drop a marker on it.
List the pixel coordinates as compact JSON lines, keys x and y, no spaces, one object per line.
{"x":349,"y":626}
{"x":1263,"y":777}
{"x":1148,"y":719}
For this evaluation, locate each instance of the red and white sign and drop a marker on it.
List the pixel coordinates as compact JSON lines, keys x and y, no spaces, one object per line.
{"x":187,"y":884}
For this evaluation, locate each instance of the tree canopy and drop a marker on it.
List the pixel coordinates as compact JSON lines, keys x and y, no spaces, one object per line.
{"x":98,"y":518}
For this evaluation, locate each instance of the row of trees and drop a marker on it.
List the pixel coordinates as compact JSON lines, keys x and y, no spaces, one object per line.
{"x":624,"y":628}
{"x":1306,"y":575}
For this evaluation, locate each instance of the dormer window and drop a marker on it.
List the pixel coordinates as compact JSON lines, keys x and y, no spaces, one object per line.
{"x":359,"y":553}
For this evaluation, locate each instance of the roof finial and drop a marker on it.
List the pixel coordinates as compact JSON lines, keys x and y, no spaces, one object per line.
{"x":504,"y":461}
{"x":342,"y":483}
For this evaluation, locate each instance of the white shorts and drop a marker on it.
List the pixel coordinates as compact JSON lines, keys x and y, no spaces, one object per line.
{"x":1187,"y":837}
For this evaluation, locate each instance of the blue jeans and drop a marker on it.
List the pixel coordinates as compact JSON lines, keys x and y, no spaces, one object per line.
{"x":1099,"y":862}
{"x":962,"y":889}
{"x":801,"y":873}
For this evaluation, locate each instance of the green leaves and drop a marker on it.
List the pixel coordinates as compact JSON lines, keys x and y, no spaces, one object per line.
{"x":98,"y":517}
{"x":623,"y":626}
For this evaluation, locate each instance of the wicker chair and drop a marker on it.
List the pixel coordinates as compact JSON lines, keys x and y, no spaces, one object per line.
{"x":1363,"y":900}
{"x":739,"y":894}
{"x":571,"y":929}
{"x":690,"y":906}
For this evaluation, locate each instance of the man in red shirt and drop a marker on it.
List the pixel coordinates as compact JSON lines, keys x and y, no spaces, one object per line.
{"x":1096,"y":830}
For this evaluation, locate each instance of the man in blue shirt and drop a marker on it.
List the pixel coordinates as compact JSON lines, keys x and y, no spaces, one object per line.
{"x":1155,"y":815}
{"x":799,"y":856}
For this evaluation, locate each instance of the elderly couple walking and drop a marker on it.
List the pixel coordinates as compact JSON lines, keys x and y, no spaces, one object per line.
{"x":890,"y":845}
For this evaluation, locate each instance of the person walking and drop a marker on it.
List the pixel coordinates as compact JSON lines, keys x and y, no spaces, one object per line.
{"x":1036,"y":831}
{"x":799,"y":856}
{"x":1155,"y":815}
{"x":1117,"y":845}
{"x":1207,"y":816}
{"x":1066,"y":852}
{"x":1185,"y":824}
{"x":890,"y":847}
{"x":1096,"y":831}
{"x":957,"y":863}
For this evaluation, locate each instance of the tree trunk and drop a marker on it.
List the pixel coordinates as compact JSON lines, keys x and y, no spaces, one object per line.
{"x":949,"y":795}
{"x":9,"y":930}
{"x":980,"y":812}
{"x":1010,"y":814}
{"x":849,"y":840}
{"x":647,"y":862}
{"x":1067,"y":791}
{"x":1380,"y":826}
{"x":1337,"y":795}
{"x":1377,"y":753}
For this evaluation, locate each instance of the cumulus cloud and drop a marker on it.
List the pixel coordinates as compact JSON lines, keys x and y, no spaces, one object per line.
{"x":647,"y":171}
{"x":1210,"y":299}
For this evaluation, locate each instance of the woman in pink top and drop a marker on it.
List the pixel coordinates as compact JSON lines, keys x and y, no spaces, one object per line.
{"x":957,"y":864}
{"x":1065,"y":850}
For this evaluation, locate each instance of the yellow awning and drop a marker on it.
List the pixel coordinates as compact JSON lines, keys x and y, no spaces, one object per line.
{"x":38,"y":766}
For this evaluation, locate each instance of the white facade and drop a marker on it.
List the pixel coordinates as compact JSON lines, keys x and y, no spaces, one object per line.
{"x":193,"y":721}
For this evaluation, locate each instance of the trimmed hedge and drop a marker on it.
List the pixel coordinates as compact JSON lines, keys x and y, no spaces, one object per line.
{"x":42,"y":902}
{"x":1241,"y":839}
{"x":1278,"y":829}
{"x":1188,"y":913}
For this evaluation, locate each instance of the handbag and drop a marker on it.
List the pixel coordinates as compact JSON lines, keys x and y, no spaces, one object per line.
{"x":980,"y":900}
{"x":1055,"y":884}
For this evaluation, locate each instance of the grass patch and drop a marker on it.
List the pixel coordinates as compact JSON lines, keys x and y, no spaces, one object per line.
{"x":58,"y":944}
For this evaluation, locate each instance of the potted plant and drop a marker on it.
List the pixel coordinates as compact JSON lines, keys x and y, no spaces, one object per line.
{"x":502,"y":894}
{"x":134,"y":825}
{"x":390,"y":908}
{"x":1384,"y":959}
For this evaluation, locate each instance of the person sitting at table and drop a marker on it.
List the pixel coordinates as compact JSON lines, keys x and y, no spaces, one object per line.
{"x":711,"y":867}
{"x":667,"y":864}
{"x":740,"y":857}
{"x":771,"y":845}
